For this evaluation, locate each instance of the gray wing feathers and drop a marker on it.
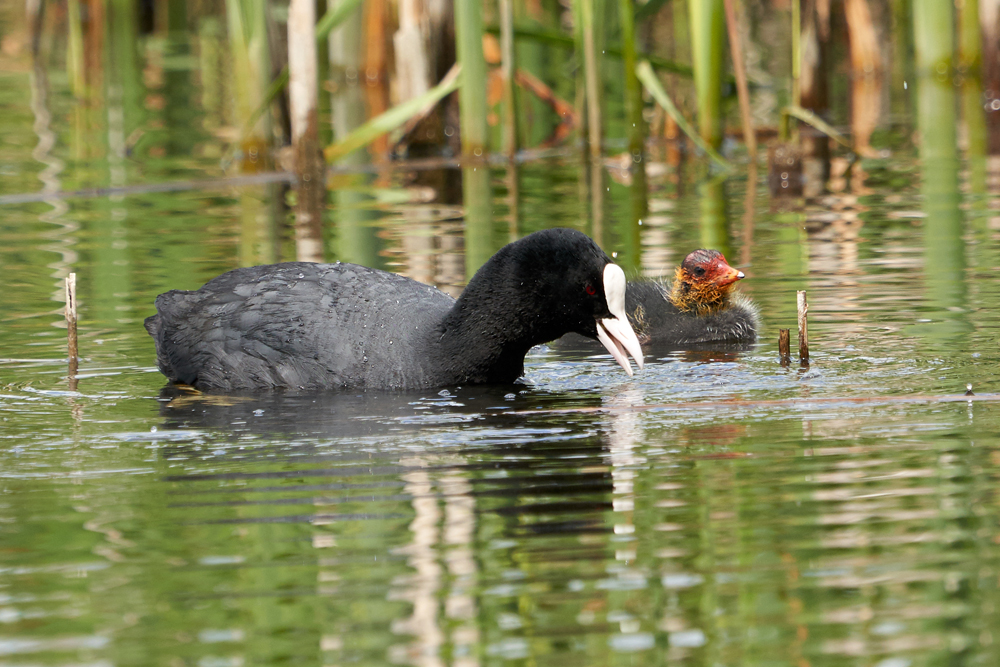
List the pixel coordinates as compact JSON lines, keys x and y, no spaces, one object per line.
{"x":295,"y":326}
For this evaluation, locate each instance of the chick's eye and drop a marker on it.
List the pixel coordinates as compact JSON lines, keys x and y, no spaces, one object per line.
{"x":589,"y":289}
{"x":700,"y":271}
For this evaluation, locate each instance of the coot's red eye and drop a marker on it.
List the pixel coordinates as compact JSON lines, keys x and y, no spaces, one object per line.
{"x":590,"y":289}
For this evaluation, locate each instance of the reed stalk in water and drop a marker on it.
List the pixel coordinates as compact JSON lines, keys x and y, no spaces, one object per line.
{"x":970,"y":57}
{"x":707,"y":44}
{"x":508,"y":66}
{"x":303,"y":97}
{"x":251,"y":68}
{"x":472,"y":94}
{"x":635,"y":129}
{"x":75,"y":66}
{"x":592,"y":78}
{"x":71,"y":337}
{"x":739,"y":68}
{"x":634,"y":125}
{"x":802,"y":306}
{"x":944,"y":227}
{"x":784,"y":347}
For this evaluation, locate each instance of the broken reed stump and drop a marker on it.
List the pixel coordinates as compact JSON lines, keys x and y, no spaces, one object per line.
{"x":71,"y":341}
{"x":784,"y":347}
{"x":803,"y":309}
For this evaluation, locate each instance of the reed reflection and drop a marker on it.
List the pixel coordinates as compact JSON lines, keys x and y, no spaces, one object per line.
{"x":944,"y":245}
{"x":714,"y":216}
{"x":478,"y":200}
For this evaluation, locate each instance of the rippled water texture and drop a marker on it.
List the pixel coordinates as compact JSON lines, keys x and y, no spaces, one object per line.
{"x":717,"y":509}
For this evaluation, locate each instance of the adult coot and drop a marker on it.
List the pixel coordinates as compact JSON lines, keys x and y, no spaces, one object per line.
{"x":321,"y":326}
{"x":701,"y":306}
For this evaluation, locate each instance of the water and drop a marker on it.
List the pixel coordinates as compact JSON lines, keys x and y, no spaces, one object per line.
{"x":717,"y":509}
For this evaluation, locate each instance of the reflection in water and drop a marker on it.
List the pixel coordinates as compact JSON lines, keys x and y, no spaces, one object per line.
{"x":714,"y":217}
{"x":624,"y":437}
{"x":421,"y":589}
{"x":596,"y":190}
{"x":259,"y":239}
{"x":476,"y":526}
{"x":62,"y":241}
{"x":512,"y":180}
{"x":478,"y":204}
{"x":944,"y":245}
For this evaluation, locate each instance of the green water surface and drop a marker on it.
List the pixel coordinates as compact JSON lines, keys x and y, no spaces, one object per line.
{"x":717,"y":509}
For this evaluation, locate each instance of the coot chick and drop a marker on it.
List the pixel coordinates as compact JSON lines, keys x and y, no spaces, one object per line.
{"x":322,"y":326}
{"x":701,"y":306}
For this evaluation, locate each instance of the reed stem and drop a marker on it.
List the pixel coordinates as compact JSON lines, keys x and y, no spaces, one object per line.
{"x":635,"y":127}
{"x":707,"y":19}
{"x":592,"y":79}
{"x":303,"y":96}
{"x":508,"y":67}
{"x":739,"y":68}
{"x":75,"y":65}
{"x":472,"y":94}
{"x":784,"y":347}
{"x":251,"y":69}
{"x":72,"y":347}
{"x":803,"y":311}
{"x":796,"y":51}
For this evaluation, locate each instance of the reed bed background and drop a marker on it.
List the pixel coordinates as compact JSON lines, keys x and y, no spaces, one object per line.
{"x":686,"y":86}
{"x":536,"y":73}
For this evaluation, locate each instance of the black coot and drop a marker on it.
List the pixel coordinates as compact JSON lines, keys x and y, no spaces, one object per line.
{"x":323,"y":326}
{"x":701,"y":306}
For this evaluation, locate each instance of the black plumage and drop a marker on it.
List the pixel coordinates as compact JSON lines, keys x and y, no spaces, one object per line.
{"x":320,"y":326}
{"x":700,"y":307}
{"x":659,"y":323}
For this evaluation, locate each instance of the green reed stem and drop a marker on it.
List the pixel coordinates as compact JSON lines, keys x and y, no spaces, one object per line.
{"x":635,"y":127}
{"x":707,"y":46}
{"x":472,"y":94}
{"x":509,"y":66}
{"x":592,"y":78}
{"x":74,"y":50}
{"x":796,"y":51}
{"x":251,"y":67}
